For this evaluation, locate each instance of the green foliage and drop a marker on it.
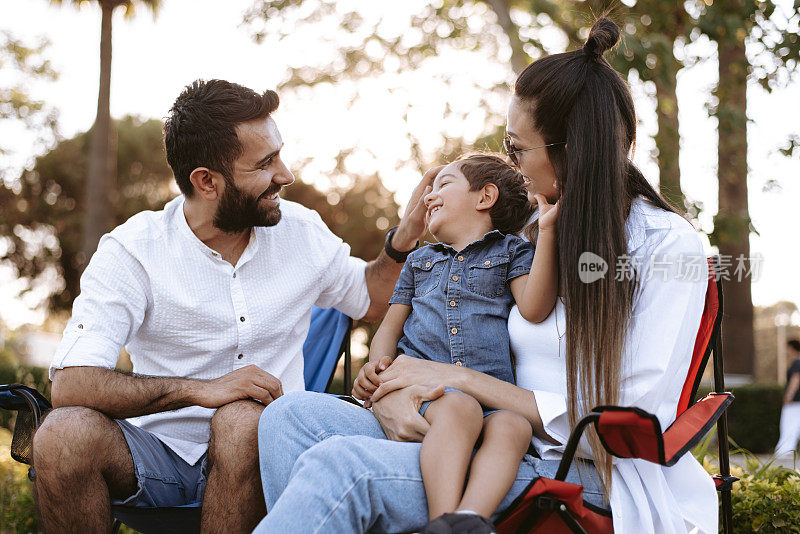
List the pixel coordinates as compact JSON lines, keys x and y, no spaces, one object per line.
{"x":21,"y":64}
{"x":35,"y":377}
{"x":43,"y":210}
{"x":766,"y":499}
{"x":754,"y":416}
{"x":17,"y":508}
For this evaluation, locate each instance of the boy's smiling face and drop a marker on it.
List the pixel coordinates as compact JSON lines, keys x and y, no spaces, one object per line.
{"x":453,"y":209}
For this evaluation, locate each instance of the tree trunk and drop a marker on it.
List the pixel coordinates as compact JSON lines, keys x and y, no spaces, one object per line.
{"x":519,"y":59}
{"x":668,"y":141}
{"x":732,"y":223}
{"x":100,"y":180}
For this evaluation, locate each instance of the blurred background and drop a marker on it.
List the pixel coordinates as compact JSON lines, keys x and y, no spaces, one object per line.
{"x":372,"y":94}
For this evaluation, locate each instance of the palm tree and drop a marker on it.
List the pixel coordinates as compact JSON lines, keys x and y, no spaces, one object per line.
{"x":102,"y":156}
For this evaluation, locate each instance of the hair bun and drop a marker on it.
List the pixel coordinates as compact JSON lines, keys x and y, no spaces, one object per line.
{"x":603,"y":36}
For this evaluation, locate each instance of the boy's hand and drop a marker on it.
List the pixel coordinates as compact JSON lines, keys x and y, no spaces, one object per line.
{"x":548,"y":213}
{"x":367,"y":380}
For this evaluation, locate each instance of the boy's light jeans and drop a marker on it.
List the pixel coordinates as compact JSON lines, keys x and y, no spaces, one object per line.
{"x":326,"y":466}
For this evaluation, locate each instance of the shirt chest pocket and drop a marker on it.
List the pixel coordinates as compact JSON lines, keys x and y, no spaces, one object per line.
{"x":487,"y":277}
{"x":427,"y":272}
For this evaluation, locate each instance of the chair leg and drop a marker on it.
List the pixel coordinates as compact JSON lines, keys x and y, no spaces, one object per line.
{"x":115,"y":526}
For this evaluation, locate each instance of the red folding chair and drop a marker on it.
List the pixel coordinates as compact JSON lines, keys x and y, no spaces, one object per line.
{"x":555,"y":506}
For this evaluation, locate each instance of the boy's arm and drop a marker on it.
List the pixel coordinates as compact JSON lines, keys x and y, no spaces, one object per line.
{"x":384,"y":343}
{"x":536,"y":293}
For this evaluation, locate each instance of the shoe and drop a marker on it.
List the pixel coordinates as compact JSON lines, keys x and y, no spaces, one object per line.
{"x":459,"y":524}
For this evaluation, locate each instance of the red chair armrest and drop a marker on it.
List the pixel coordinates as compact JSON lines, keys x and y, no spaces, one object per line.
{"x":634,"y":433}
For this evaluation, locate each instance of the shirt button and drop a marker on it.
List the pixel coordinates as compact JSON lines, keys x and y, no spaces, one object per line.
{"x":241,"y":318}
{"x":461,"y":258}
{"x":234,"y":275}
{"x":428,"y":264}
{"x":455,"y":279}
{"x":452,"y":304}
{"x":454,"y":331}
{"x":240,"y":356}
{"x":80,"y":326}
{"x":459,"y":364}
{"x":487,"y":262}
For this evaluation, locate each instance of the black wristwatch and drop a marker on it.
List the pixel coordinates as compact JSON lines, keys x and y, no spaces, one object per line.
{"x":396,"y":255}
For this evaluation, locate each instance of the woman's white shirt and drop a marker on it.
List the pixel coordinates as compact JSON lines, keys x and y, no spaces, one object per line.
{"x":670,"y":264}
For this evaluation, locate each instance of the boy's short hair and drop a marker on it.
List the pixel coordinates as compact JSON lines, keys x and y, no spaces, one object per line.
{"x":512,"y":210}
{"x":794,"y":343}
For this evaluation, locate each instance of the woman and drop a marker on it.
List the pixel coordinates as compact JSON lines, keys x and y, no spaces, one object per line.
{"x":623,"y":338}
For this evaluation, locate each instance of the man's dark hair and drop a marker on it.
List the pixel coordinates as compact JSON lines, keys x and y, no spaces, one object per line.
{"x":201,"y":128}
{"x":512,"y":209}
{"x":794,"y":343}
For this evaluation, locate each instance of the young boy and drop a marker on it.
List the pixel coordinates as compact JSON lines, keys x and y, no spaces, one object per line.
{"x":451,"y":304}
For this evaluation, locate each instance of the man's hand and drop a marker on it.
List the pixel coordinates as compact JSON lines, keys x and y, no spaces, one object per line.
{"x":367,"y":380}
{"x":412,"y":226}
{"x":249,"y":382}
{"x":398,"y":412}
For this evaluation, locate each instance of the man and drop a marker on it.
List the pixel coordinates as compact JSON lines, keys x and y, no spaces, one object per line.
{"x":211,"y":297}
{"x":790,"y":414}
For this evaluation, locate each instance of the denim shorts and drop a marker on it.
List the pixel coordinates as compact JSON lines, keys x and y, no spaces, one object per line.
{"x":424,"y":407}
{"x":163,"y":477}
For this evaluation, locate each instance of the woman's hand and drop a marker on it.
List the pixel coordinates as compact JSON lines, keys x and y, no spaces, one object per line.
{"x":398,"y":412}
{"x":406,"y":371}
{"x":548,"y":214}
{"x":367,"y":380}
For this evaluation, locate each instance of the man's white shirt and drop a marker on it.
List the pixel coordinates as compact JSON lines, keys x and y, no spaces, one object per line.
{"x":180,"y":310}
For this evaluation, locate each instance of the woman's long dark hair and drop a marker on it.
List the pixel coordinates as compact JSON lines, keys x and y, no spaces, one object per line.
{"x":579,"y":98}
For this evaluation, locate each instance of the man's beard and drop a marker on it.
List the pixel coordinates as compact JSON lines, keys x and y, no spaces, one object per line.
{"x":237,"y":211}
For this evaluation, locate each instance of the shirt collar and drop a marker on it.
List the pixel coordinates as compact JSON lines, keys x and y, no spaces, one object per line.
{"x":179,"y":220}
{"x":644,"y":217}
{"x":488,"y":236}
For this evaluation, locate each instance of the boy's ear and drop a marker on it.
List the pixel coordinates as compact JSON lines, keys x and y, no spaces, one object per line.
{"x":489,"y":195}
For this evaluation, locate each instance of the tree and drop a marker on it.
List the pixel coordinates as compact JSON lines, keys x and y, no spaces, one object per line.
{"x":21,"y":63}
{"x":101,"y":173}
{"x":42,"y":210}
{"x":732,"y":25}
{"x":651,"y":30}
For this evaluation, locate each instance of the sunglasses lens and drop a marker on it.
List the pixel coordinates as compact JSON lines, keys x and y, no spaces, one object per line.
{"x":509,"y":148}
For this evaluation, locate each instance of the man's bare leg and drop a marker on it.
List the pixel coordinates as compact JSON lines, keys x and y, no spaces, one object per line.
{"x":81,"y":461}
{"x":234,"y":500}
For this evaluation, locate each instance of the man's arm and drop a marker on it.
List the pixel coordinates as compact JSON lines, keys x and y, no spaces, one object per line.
{"x":120,"y":395}
{"x":791,"y":388}
{"x":382,"y":272}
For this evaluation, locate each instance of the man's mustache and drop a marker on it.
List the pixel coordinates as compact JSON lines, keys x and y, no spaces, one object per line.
{"x":271,"y":190}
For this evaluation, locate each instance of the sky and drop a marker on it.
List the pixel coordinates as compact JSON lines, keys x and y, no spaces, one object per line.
{"x":154,"y":58}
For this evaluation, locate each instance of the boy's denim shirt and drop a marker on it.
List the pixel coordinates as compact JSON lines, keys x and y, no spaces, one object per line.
{"x":460,"y":302}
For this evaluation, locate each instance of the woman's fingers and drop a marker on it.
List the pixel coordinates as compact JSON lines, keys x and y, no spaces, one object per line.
{"x":386,"y":387}
{"x":419,"y":426}
{"x":360,"y":392}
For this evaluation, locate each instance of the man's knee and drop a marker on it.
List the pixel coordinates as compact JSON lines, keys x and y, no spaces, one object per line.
{"x":72,"y":428}
{"x":234,"y":429}
{"x":236,"y":417}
